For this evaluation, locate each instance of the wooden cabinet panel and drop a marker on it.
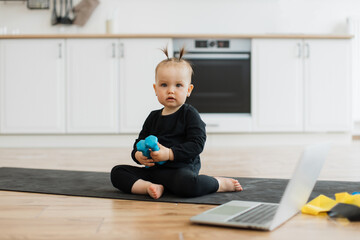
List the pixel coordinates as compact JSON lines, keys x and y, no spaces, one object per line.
{"x":327,"y":86}
{"x":92,"y":86}
{"x":301,"y":85}
{"x":32,"y":86}
{"x":277,"y":88}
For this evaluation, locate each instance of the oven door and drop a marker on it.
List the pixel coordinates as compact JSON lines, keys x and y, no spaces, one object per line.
{"x":222,"y":92}
{"x":222,"y":82}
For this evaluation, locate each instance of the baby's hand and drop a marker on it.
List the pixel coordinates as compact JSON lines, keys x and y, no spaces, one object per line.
{"x":143,"y":160}
{"x":162,"y":155}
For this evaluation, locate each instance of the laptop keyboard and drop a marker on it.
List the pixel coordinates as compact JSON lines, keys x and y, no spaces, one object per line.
{"x":260,"y":214}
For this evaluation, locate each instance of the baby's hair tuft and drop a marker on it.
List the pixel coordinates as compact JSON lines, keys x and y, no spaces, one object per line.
{"x":174,"y":60}
{"x":181,"y":53}
{"x":165,"y":51}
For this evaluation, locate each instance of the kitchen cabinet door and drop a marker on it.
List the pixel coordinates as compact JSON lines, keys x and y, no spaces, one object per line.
{"x":92,"y":84}
{"x":277,"y":88}
{"x":138,"y":59}
{"x":327,"y":85}
{"x":32,"y":86}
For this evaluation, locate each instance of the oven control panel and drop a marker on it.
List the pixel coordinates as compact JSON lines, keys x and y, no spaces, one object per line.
{"x":212,"y":43}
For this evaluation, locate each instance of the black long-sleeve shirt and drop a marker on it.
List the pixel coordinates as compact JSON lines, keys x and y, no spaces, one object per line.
{"x":182,"y":131}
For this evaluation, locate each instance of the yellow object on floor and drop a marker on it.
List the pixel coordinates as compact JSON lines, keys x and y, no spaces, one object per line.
{"x":348,"y":198}
{"x":318,"y":205}
{"x":323,"y":203}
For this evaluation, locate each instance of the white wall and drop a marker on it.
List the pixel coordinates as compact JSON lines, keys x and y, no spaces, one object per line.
{"x":194,"y":16}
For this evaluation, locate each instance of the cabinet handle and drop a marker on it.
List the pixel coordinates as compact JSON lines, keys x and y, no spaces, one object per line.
{"x":307,"y":48}
{"x":113,"y":51}
{"x":299,"y":52}
{"x":121,"y":50}
{"x":60,"y":50}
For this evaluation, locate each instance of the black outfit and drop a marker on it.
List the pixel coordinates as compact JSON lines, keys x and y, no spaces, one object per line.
{"x":183,"y":132}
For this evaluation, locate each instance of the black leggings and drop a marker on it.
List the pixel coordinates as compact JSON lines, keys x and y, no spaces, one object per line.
{"x":180,"y":181}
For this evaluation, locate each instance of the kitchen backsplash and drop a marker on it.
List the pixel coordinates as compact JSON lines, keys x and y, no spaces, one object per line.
{"x":188,"y":16}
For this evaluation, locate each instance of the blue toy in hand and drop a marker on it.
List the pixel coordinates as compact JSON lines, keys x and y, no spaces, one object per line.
{"x":151,"y":142}
{"x":142,"y":148}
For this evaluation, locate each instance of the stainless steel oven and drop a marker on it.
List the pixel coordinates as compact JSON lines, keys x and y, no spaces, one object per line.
{"x":222,"y":81}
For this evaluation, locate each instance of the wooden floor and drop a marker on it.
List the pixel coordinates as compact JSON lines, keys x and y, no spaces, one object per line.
{"x":42,"y":216}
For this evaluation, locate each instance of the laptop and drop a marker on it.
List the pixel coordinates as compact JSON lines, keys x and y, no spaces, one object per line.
{"x":268,"y":216}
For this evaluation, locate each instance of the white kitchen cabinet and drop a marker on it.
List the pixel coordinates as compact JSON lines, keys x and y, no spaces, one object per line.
{"x":92,"y":86}
{"x":32,"y":86}
{"x":301,"y":85}
{"x":138,"y":59}
{"x":277,"y":86}
{"x":327,"y":85}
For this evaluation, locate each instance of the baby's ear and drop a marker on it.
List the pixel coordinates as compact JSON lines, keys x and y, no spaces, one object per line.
{"x":190,"y":88}
{"x":154,"y":86}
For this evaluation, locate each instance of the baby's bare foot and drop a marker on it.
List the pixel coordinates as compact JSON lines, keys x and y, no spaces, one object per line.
{"x":228,"y":185}
{"x":155,"y":190}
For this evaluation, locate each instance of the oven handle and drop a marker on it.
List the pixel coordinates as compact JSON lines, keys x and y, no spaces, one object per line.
{"x":215,"y":56}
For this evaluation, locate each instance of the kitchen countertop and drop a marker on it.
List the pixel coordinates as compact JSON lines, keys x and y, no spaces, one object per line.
{"x":272,"y":35}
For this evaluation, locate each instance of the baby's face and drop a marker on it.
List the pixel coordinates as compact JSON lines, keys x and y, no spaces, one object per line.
{"x":172,"y":86}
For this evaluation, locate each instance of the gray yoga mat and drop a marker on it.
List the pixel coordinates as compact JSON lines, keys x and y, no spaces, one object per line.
{"x":97,"y":184}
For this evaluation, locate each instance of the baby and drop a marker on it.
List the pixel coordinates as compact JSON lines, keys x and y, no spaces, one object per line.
{"x":181,"y":134}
